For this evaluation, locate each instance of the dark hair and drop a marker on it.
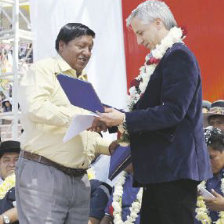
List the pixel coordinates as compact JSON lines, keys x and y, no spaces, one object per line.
{"x":214,"y":138}
{"x":9,"y":146}
{"x":71,"y":31}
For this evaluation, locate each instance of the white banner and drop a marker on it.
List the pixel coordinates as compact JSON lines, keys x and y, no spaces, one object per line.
{"x":106,"y":69}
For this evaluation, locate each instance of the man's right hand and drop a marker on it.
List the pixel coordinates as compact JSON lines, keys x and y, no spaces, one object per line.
{"x":216,"y":204}
{"x":98,"y":126}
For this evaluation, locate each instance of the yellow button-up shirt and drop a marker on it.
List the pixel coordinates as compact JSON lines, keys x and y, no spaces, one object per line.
{"x":46,"y":114}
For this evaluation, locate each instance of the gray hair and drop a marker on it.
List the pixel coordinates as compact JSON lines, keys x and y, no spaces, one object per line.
{"x":150,"y":10}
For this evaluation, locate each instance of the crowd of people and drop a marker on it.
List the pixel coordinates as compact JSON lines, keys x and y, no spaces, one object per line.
{"x":170,"y":147}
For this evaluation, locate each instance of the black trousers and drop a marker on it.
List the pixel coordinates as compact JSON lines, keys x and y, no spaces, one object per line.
{"x":169,"y":203}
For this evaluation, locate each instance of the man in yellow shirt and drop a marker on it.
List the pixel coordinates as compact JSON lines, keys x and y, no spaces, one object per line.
{"x":52,"y":185}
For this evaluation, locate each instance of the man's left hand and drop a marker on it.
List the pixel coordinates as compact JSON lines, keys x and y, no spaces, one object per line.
{"x":111,"y":117}
{"x":215,"y":204}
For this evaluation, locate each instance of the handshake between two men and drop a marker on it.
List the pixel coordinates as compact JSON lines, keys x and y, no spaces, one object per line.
{"x":110,"y":118}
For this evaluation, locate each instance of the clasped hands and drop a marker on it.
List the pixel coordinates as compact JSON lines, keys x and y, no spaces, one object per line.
{"x":110,"y":118}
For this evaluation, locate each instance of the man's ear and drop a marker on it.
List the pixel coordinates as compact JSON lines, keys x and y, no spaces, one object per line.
{"x":159,"y":23}
{"x":61,"y":45}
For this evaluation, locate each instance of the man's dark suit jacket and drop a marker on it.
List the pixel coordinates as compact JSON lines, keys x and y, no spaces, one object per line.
{"x":166,"y":131}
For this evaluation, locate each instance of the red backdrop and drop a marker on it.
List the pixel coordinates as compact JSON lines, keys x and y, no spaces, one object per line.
{"x":204,"y":21}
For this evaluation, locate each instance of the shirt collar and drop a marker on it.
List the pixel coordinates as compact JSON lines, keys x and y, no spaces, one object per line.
{"x":63,"y":66}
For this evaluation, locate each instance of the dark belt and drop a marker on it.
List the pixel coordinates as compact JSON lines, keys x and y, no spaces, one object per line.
{"x":40,"y":159}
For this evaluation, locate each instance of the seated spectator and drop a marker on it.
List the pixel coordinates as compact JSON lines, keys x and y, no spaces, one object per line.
{"x":209,"y":210}
{"x":206,"y":105}
{"x":9,"y":153}
{"x":100,"y":194}
{"x":125,"y":202}
{"x":215,"y":116}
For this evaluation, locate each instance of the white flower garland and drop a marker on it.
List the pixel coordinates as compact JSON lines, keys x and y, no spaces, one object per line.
{"x":117,"y":202}
{"x":202,"y":211}
{"x":175,"y":35}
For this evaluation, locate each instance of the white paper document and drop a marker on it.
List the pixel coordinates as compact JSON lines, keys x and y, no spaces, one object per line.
{"x":79,"y":123}
{"x":205,"y":194}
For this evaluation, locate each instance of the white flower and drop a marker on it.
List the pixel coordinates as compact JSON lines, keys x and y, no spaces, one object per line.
{"x":157,"y":54}
{"x":143,"y":86}
{"x":132,"y":90}
{"x":144,"y":76}
{"x":150,"y":69}
{"x":177,"y":33}
{"x":142,"y":69}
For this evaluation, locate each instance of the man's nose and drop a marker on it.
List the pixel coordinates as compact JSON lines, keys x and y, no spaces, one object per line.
{"x":139,"y":40}
{"x":87,"y":52}
{"x":12,"y":164}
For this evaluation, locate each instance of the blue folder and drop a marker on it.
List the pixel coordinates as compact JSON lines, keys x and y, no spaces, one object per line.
{"x":120,"y":159}
{"x":80,"y":93}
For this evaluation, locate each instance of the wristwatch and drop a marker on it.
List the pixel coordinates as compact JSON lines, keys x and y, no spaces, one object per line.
{"x":6,"y":219}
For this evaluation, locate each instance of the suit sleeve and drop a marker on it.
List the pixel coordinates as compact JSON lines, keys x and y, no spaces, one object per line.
{"x":180,"y":78}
